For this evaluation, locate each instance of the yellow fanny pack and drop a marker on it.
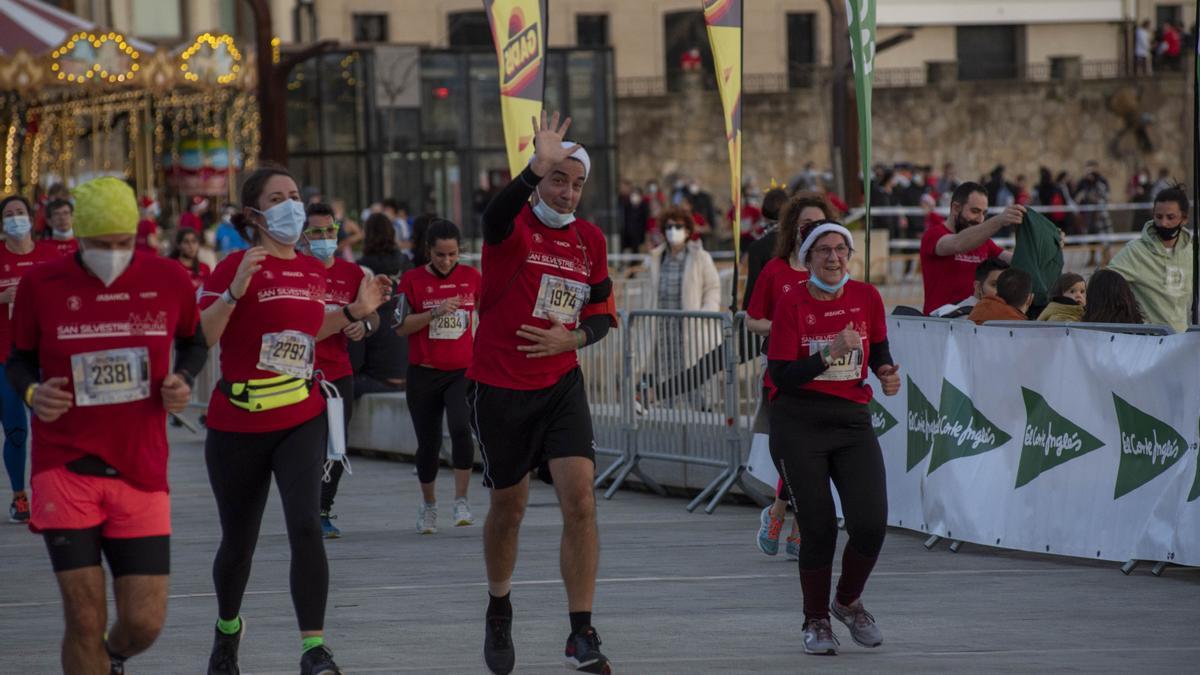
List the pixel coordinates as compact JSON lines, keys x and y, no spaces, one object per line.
{"x":267,"y":393}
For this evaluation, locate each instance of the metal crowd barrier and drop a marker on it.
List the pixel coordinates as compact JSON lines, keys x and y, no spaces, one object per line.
{"x":1131,"y":328}
{"x":602,"y":365}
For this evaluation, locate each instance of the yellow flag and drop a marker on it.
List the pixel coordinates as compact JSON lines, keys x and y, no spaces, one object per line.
{"x":519,"y":34}
{"x":724,"y":21}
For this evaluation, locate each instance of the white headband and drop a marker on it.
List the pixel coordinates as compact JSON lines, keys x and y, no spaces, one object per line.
{"x":580,"y":155}
{"x":821,"y":230}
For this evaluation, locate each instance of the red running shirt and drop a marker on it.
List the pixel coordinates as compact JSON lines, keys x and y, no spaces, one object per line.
{"x":106,"y":335}
{"x":14,"y":266}
{"x":447,"y":342}
{"x":64,"y":247}
{"x":198,"y":272}
{"x":342,"y":280}
{"x":536,"y":269}
{"x":283,"y":295}
{"x":950,"y":279}
{"x":776,"y":280}
{"x":803,"y":324}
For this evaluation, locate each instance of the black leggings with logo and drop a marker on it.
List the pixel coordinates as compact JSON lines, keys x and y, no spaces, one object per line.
{"x":430,"y":392}
{"x":240,"y":466}
{"x":816,"y":438}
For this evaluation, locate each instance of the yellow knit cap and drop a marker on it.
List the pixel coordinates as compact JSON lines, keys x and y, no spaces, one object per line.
{"x":105,"y":206}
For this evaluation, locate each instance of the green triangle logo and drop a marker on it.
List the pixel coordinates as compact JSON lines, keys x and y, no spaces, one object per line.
{"x":1195,"y":484}
{"x":962,"y":431}
{"x":881,"y":420}
{"x":1050,"y":439}
{"x":1148,"y":447}
{"x":922,"y":425}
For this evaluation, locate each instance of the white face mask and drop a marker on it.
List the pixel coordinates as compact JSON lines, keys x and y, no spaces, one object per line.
{"x":107,"y":265}
{"x":550,"y":217}
{"x":65,"y":235}
{"x":285,"y":221}
{"x":676,"y":235}
{"x":17,"y":226}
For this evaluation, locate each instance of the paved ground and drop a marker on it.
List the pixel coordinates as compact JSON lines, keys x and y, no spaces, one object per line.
{"x":679,"y":593}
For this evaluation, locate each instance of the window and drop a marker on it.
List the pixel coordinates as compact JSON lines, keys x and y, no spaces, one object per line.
{"x":989,"y":52}
{"x":591,"y":30}
{"x":234,"y":17}
{"x":370,"y":27}
{"x":470,"y":29}
{"x":686,"y":40}
{"x":1165,"y":13}
{"x":801,"y":48}
{"x":156,"y":19}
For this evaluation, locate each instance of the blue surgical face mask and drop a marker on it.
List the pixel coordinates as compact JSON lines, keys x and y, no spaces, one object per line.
{"x":285,"y":221}
{"x":17,"y":226}
{"x":829,"y":288}
{"x":550,"y":217}
{"x":322,"y":248}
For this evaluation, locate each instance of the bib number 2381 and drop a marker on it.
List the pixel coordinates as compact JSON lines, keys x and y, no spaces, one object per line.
{"x":562,"y":299}
{"x":288,"y":352}
{"x":111,"y":376}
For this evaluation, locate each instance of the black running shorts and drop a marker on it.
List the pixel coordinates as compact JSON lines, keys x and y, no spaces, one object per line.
{"x":519,"y":430}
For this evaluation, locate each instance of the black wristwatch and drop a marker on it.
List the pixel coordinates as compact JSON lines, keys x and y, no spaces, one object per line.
{"x":347,"y":314}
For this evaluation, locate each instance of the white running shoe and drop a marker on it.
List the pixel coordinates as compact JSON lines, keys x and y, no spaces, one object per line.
{"x":462,"y":513}
{"x":427,"y":519}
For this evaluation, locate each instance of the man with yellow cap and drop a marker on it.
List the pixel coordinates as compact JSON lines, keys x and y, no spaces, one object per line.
{"x":92,"y":341}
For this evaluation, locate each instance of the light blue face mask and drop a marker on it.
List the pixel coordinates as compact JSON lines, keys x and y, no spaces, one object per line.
{"x":17,"y":226}
{"x":827,"y":287}
{"x":285,"y":221}
{"x":550,"y":217}
{"x":322,"y":249}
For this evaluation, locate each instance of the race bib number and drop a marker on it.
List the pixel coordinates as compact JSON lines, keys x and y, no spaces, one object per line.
{"x":111,"y":376}
{"x":561,"y":298}
{"x":846,"y":369}
{"x":287,"y":353}
{"x":450,"y":326}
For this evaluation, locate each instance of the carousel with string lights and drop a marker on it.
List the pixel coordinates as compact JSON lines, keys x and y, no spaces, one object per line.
{"x":78,"y":102}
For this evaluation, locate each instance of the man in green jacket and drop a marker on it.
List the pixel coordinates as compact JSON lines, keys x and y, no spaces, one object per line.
{"x":1158,"y":265}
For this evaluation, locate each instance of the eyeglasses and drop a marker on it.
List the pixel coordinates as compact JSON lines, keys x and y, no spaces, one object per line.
{"x":673,"y":226}
{"x":840,"y":251}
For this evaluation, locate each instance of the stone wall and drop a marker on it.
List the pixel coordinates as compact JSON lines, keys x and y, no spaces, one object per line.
{"x":976,"y":125}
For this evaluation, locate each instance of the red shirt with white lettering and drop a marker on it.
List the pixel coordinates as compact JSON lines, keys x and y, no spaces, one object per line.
{"x":106,"y":335}
{"x":341,"y":288}
{"x":776,"y":280}
{"x":284,"y":295}
{"x":950,"y":279}
{"x":446,"y":343}
{"x":14,"y":266}
{"x":535,"y":273}
{"x":64,"y":246}
{"x":198,"y":272}
{"x":803,"y":324}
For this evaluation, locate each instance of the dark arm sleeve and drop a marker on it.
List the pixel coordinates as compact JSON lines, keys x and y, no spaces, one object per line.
{"x":503,"y":209}
{"x":600,"y":291}
{"x":881,"y":355}
{"x":595,"y":327}
{"x":754,"y":265}
{"x":23,"y":370}
{"x":191,"y":352}
{"x":790,"y":376}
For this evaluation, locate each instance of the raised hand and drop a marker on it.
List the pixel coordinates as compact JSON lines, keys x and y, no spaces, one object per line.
{"x":251,"y":263}
{"x":846,"y":341}
{"x":548,"y":136}
{"x":372,"y":292}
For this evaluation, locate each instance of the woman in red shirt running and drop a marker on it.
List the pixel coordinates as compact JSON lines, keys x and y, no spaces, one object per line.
{"x":266,"y":417}
{"x":824,"y":335}
{"x":187,"y":247}
{"x":440,"y":298}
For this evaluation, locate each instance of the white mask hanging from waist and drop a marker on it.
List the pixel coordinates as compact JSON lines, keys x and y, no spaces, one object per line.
{"x":548,"y":216}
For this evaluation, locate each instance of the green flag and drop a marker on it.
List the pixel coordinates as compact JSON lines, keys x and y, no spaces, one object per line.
{"x":881,"y":420}
{"x":1049,"y":439}
{"x":962,"y":431}
{"x":860,"y":15}
{"x":1149,"y":447}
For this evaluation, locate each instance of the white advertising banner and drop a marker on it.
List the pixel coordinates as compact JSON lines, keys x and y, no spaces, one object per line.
{"x":1073,"y":442}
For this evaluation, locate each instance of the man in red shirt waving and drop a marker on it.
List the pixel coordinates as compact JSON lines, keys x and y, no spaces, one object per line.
{"x":546,"y":294}
{"x":949,"y":257}
{"x":92,"y":340}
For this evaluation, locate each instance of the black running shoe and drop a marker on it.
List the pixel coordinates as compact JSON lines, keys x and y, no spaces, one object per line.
{"x":318,"y":661}
{"x":583,"y":653}
{"x":224,"y":657}
{"x":116,"y":661}
{"x":498,"y":652}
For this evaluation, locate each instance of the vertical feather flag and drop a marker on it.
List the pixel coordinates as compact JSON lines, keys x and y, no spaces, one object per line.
{"x":860,"y":16}
{"x":519,"y":33}
{"x":724,"y":21}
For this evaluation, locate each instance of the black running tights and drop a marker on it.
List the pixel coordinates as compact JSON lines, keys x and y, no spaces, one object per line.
{"x":814,"y":439}
{"x":429,"y":393}
{"x":240,"y":466}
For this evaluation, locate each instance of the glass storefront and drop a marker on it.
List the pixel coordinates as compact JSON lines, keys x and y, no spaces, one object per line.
{"x":441,"y":149}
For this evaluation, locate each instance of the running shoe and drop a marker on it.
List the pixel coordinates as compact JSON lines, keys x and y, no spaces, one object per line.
{"x":427,"y":519}
{"x":498,"y":652}
{"x":318,"y":661}
{"x":819,"y":638}
{"x":462,"y":513}
{"x":863,"y":628}
{"x":793,"y":547}
{"x":328,"y":529}
{"x":116,"y":662}
{"x":18,"y":510}
{"x":768,"y":532}
{"x":583,"y":653}
{"x":224,"y":657}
